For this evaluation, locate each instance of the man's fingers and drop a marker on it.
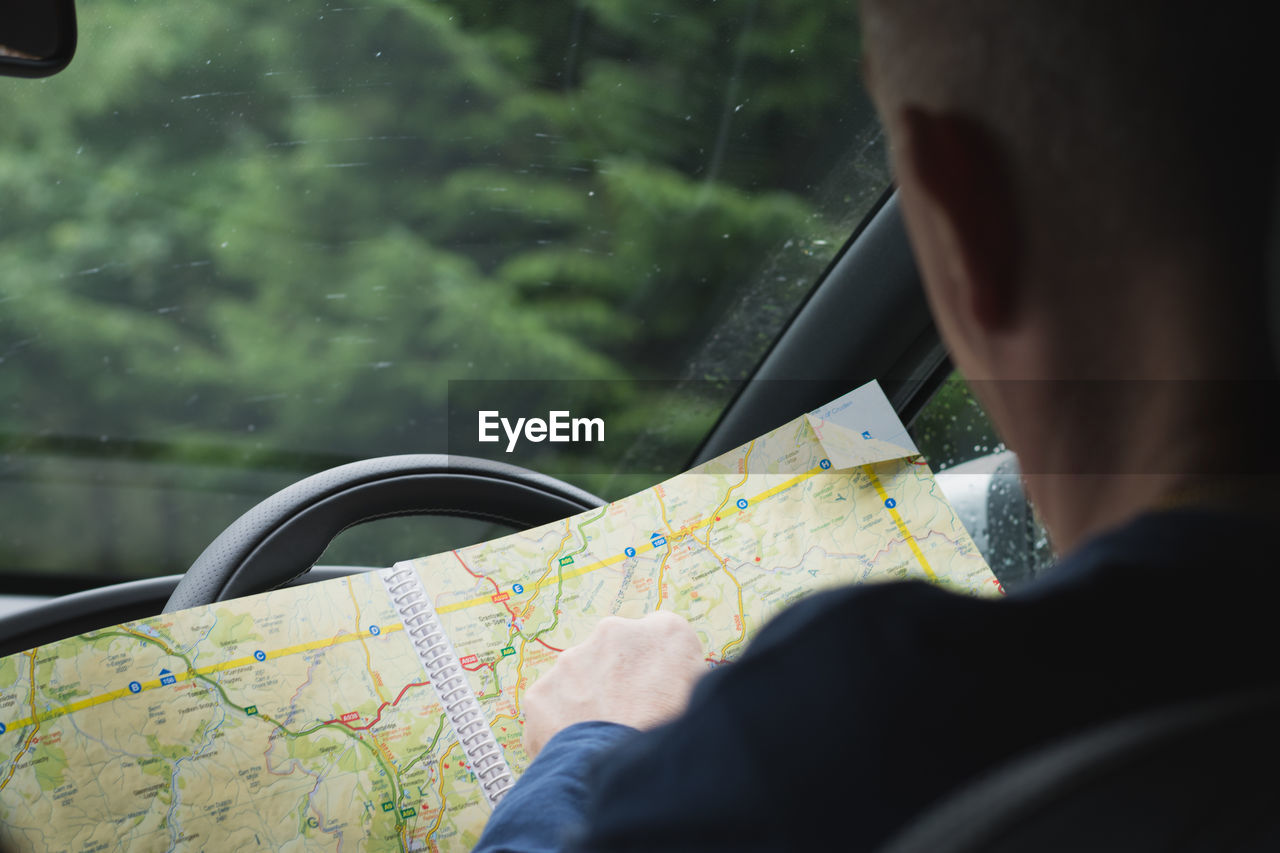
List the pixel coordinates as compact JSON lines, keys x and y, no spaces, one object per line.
{"x":638,"y":672}
{"x":679,"y":630}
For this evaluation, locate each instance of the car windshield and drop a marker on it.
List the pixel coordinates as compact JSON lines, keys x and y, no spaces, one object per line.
{"x":245,"y":241}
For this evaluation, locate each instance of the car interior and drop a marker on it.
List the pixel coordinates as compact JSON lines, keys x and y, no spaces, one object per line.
{"x":844,"y":310}
{"x":237,"y":499}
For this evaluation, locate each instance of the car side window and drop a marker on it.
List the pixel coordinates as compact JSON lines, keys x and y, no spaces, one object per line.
{"x":980,"y":477}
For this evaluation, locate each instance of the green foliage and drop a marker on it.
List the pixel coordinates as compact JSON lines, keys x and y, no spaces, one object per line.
{"x":239,"y":233}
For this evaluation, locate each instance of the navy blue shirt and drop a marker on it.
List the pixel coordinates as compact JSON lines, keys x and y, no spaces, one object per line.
{"x":857,"y":708}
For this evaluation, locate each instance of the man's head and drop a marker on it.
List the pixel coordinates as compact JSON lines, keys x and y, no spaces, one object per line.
{"x":1086,"y":184}
{"x":1077,"y":168}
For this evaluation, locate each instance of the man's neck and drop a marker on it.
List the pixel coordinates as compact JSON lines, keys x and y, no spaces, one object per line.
{"x":1120,"y":383}
{"x":1097,"y":454}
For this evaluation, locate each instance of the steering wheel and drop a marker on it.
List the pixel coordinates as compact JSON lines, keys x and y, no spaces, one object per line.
{"x":280,"y":539}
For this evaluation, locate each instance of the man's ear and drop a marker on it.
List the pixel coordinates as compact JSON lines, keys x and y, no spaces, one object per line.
{"x":956,"y":179}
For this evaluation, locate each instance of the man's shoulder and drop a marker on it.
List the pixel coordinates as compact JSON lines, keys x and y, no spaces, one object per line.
{"x":870,"y":702}
{"x":824,"y":709}
{"x":869,"y":615}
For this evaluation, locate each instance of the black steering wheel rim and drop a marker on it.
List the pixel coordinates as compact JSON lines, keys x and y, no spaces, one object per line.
{"x":282,"y":537}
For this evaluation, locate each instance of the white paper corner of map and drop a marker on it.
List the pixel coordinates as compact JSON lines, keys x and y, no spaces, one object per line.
{"x":861,"y":428}
{"x":848,"y":449}
{"x":866,"y":412}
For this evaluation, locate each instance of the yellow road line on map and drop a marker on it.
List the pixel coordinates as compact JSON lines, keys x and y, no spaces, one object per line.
{"x":13,"y":763}
{"x":368,"y":658}
{"x":154,"y":683}
{"x":662,"y":509}
{"x":641,"y":549}
{"x":440,"y":815}
{"x":902,"y":525}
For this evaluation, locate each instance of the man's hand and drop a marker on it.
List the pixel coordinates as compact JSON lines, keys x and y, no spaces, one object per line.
{"x":638,"y":672}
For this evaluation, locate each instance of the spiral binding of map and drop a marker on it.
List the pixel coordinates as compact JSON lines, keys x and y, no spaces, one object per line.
{"x":449,"y":680}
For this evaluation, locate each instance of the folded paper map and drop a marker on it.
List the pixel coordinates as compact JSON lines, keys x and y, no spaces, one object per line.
{"x":382,"y":710}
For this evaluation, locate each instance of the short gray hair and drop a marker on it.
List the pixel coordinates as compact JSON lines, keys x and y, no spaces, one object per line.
{"x":1147,"y":119}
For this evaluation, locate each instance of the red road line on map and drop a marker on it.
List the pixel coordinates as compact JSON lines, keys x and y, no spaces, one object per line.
{"x":496,"y":589}
{"x":377,"y":717}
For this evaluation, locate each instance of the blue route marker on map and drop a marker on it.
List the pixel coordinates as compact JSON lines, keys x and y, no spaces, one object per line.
{"x":824,"y":464}
{"x":375,"y":630}
{"x":517,"y":588}
{"x":2,"y":728}
{"x":866,"y":433}
{"x":657,"y":540}
{"x":630,"y":552}
{"x":259,"y":655}
{"x":890,"y":503}
{"x":135,"y":687}
{"x":166,"y":678}
{"x":742,"y":503}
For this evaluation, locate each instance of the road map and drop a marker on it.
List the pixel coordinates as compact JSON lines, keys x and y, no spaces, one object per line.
{"x":302,"y":719}
{"x":806,"y":507}
{"x":285,"y":721}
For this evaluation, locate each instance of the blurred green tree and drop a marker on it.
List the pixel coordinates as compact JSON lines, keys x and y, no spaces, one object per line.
{"x":245,"y":237}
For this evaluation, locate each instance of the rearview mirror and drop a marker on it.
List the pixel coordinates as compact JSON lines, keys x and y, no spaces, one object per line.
{"x":37,"y":37}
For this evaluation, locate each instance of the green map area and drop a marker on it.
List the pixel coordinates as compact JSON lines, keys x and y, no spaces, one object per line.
{"x":302,"y":719}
